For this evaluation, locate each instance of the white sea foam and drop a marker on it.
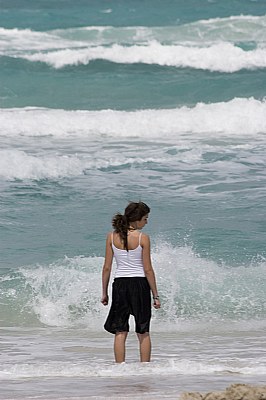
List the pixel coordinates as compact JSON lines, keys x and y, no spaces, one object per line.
{"x":158,"y":368}
{"x":229,"y":164}
{"x":222,"y":57}
{"x":66,"y":293}
{"x":217,"y":293}
{"x":206,"y":44}
{"x":238,"y":117}
{"x":18,"y":164}
{"x":241,"y":28}
{"x":25,"y":39}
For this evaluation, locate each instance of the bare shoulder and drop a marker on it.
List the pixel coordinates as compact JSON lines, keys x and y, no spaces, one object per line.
{"x":145,"y":236}
{"x":109,"y":237}
{"x":145,"y":239}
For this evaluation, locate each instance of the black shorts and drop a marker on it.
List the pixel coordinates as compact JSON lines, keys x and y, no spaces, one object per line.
{"x":131,"y":296}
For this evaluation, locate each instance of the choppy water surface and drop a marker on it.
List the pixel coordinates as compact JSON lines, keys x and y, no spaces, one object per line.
{"x":110,"y":102}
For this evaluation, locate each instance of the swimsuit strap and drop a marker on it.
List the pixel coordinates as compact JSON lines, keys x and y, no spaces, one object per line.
{"x":140,"y":237}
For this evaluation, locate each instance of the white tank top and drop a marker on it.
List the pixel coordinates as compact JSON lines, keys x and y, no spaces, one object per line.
{"x":129,"y":263}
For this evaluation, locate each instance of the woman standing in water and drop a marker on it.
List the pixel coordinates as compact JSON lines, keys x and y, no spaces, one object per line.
{"x":134,"y":280}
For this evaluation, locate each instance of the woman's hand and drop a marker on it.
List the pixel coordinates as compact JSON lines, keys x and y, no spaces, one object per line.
{"x":105,"y":300}
{"x":156,"y":303}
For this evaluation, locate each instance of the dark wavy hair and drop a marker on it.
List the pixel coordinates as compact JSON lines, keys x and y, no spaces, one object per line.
{"x":133,"y":212}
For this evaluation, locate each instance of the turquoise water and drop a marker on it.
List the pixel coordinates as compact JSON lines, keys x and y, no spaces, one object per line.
{"x":103,"y":102}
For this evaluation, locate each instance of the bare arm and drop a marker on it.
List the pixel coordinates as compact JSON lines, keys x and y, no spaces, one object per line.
{"x":106,"y":271}
{"x":149,"y":272}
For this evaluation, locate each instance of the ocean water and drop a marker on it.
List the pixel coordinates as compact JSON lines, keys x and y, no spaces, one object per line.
{"x":105,"y":102}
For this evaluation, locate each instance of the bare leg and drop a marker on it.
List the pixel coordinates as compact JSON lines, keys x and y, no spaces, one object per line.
{"x":144,"y":346}
{"x":120,"y":346}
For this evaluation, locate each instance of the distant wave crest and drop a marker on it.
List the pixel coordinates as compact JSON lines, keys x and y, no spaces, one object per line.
{"x":240,"y":116}
{"x":222,"y":44}
{"x":221,"y":57}
{"x":233,"y":29}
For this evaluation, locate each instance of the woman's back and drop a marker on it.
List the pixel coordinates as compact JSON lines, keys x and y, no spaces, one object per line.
{"x":133,"y":240}
{"x":129,"y":263}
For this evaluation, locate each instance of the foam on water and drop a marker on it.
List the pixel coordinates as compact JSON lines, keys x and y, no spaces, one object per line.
{"x":158,"y":368}
{"x":239,"y":28}
{"x":206,"y":44}
{"x":233,"y":29}
{"x":234,"y":162}
{"x":237,"y":117}
{"x":198,"y":288}
{"x":17,"y":164}
{"x":200,"y":150}
{"x":67,"y":292}
{"x":26,"y":39}
{"x":222,"y":57}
